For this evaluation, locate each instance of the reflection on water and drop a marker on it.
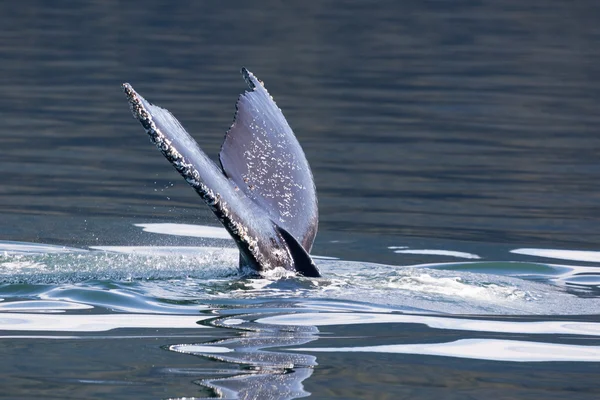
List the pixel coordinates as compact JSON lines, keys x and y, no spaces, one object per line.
{"x":266,"y":374}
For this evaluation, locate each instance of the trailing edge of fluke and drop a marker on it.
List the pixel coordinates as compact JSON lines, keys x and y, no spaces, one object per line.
{"x":263,"y":191}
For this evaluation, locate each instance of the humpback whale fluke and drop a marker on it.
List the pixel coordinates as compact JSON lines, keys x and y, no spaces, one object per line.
{"x":263,"y":192}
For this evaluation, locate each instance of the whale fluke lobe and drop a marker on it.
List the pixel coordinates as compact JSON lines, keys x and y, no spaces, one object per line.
{"x":263,"y":158}
{"x":303,"y":263}
{"x":263,"y":194}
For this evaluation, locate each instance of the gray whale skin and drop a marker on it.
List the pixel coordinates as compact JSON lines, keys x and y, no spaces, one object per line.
{"x":263,"y":190}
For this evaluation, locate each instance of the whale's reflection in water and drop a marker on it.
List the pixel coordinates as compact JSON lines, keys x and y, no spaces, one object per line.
{"x":259,"y":373}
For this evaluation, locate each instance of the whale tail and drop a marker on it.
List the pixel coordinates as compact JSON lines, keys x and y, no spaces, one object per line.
{"x":303,"y":263}
{"x":263,"y":192}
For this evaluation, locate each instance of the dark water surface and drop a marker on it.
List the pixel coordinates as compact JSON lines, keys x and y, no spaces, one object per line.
{"x":455,"y":151}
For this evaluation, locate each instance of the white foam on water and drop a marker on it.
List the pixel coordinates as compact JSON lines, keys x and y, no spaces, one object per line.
{"x":120,"y":263}
{"x":483,"y":349}
{"x":228,"y":252}
{"x":21,"y":265}
{"x":343,"y":306}
{"x":454,"y":286}
{"x":273,"y":274}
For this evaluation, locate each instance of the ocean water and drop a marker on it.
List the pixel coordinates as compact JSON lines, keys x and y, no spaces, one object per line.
{"x":454,"y":148}
{"x":180,"y":322}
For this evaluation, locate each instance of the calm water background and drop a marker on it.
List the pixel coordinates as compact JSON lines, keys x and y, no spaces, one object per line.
{"x":465,"y":126}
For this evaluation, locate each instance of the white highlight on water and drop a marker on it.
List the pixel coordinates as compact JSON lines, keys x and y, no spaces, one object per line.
{"x":574,"y":255}
{"x":483,"y":349}
{"x":461,"y":324}
{"x":43,"y":306}
{"x":94,"y":322}
{"x":197,"y":348}
{"x":450,"y":253}
{"x":11,"y":248}
{"x":186,"y":230}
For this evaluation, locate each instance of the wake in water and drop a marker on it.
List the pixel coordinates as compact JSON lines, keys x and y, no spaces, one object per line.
{"x":263,"y":337}
{"x":209,"y":274}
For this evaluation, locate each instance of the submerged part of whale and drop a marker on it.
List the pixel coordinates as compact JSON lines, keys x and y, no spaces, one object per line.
{"x":263,"y":192}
